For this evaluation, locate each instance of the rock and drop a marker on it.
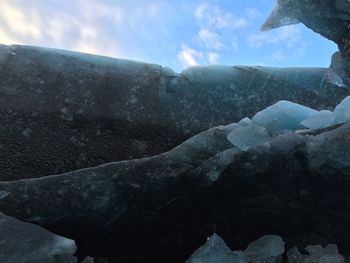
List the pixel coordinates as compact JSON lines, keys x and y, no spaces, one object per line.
{"x":63,"y":111}
{"x":216,"y":251}
{"x":24,"y":242}
{"x":268,"y":249}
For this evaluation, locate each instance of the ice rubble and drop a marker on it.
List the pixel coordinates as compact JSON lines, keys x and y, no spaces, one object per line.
{"x":321,"y":119}
{"x":248,"y":136}
{"x":267,"y":249}
{"x":24,"y":242}
{"x":216,"y":251}
{"x":284,"y":116}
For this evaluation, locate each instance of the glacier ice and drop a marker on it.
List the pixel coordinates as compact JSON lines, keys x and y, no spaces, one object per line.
{"x":279,"y":17}
{"x":24,"y":242}
{"x":245,"y":121}
{"x":249,"y":136}
{"x":269,"y":249}
{"x":321,"y":119}
{"x":282,"y":116}
{"x":342,"y":111}
{"x":216,"y":251}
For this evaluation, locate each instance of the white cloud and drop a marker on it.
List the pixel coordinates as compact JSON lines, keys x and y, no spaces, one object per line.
{"x":81,"y":26}
{"x":212,"y":15}
{"x":189,"y":56}
{"x":289,"y":36}
{"x":253,"y":13}
{"x":213,"y":57}
{"x":210,"y":39}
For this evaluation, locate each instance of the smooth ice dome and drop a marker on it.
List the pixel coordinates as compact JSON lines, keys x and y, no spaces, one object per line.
{"x":24,"y":242}
{"x":342,"y":111}
{"x":249,"y":136}
{"x":321,"y":119}
{"x":283,"y":116}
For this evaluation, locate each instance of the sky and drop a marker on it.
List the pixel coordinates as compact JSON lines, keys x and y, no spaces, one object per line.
{"x":172,"y":33}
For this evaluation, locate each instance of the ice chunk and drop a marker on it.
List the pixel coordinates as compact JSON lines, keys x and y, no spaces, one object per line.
{"x":246,"y":137}
{"x":316,"y":253}
{"x":321,"y":119}
{"x":3,"y":194}
{"x":24,"y":242}
{"x":215,"y":251}
{"x":268,"y":249}
{"x":282,"y":116}
{"x":342,"y":111}
{"x":245,"y":121}
{"x":323,"y":255}
{"x":88,"y":260}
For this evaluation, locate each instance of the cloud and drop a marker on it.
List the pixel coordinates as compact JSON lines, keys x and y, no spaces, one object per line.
{"x":189,"y":56}
{"x":287,"y":41}
{"x":253,"y":13}
{"x":213,"y":57}
{"x":210,"y":39}
{"x":81,"y":26}
{"x":213,"y":16}
{"x":214,"y":26}
{"x":289,"y":36}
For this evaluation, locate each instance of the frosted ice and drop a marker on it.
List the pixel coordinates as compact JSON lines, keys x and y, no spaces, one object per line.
{"x":215,"y":251}
{"x":24,"y":242}
{"x":321,"y":119}
{"x":267,"y":249}
{"x":245,"y":121}
{"x":283,"y":116}
{"x":249,"y":136}
{"x":342,"y":111}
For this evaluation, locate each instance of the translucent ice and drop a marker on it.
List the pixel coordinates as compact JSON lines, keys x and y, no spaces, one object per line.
{"x":268,"y":249}
{"x":249,"y":136}
{"x":342,"y":111}
{"x":215,"y":251}
{"x":321,"y":119}
{"x":282,"y":116}
{"x":245,"y":121}
{"x":24,"y":242}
